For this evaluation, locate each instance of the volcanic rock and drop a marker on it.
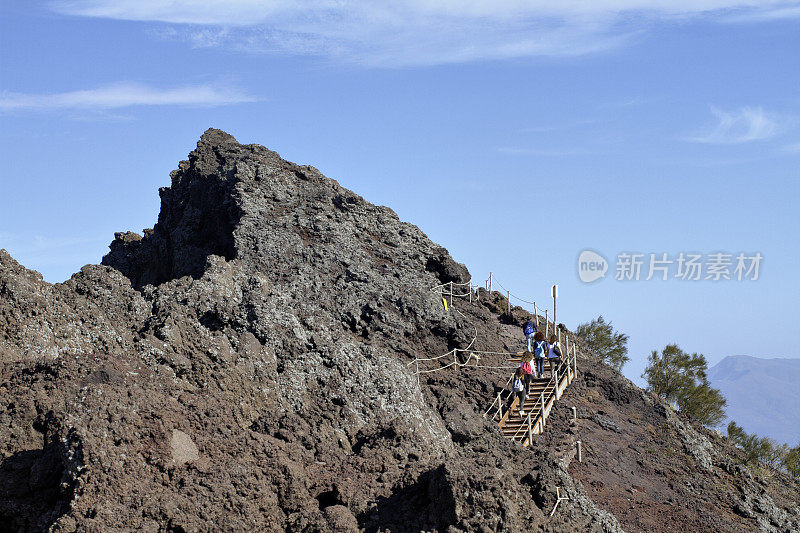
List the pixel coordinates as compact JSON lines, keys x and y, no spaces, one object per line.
{"x":249,"y":364}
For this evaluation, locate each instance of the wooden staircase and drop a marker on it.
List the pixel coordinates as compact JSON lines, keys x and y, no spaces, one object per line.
{"x":542,"y":396}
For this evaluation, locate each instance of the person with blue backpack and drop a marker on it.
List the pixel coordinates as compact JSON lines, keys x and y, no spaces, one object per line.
{"x":554,"y":354}
{"x":539,"y":352}
{"x":529,"y":328}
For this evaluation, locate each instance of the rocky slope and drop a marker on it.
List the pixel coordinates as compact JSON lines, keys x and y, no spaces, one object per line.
{"x":244,"y":365}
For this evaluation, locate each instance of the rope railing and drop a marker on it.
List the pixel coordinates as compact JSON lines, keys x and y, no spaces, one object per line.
{"x":446,"y":289}
{"x":453,"y":352}
{"x":451,"y":284}
{"x":500,"y":401}
{"x":526,"y":425}
{"x":570,"y":367}
{"x":466,"y":363}
{"x":570,"y":360}
{"x":511,"y":294}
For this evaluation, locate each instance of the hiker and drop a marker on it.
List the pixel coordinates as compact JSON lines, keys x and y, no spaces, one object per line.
{"x":539,"y":352}
{"x":519,"y":389}
{"x":554,"y":354}
{"x":527,"y":369}
{"x":529,"y":328}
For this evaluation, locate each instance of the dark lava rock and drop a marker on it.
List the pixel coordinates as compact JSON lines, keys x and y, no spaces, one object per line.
{"x":247,"y":365}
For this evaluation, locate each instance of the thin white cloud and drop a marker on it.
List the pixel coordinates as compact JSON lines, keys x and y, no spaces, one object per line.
{"x":412,"y":32}
{"x":251,"y":12}
{"x":743,"y":125}
{"x":765,"y":15}
{"x":121,"y":95}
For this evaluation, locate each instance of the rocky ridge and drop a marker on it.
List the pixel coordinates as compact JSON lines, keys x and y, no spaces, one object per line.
{"x":244,"y":365}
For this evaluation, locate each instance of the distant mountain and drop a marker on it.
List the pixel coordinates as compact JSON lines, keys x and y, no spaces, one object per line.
{"x":763,"y":394}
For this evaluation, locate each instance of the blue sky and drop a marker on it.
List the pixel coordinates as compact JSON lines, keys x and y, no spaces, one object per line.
{"x":515,"y":133}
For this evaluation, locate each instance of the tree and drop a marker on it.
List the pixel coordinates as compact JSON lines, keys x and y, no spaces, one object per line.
{"x":755,"y":449}
{"x":611,"y":346}
{"x":765,"y":450}
{"x":681,"y":380}
{"x":704,"y":403}
{"x":791,"y":462}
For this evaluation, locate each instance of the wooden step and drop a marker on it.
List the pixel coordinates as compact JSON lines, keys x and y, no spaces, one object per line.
{"x":516,"y":420}
{"x":513,"y":427}
{"x":517,"y":431}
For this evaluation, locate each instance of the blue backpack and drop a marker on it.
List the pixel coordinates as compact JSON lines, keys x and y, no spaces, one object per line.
{"x":538,"y":349}
{"x":529,"y":328}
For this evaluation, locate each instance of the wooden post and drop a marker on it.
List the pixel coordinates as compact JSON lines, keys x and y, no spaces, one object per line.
{"x":508,"y":303}
{"x":490,"y":282}
{"x":566,"y":359}
{"x":536,"y":314}
{"x":546,"y":325}
{"x":530,"y":429}
{"x":541,"y":397}
{"x":554,"y":370}
{"x":417,"y":362}
{"x":575,"y":360}
{"x":451,"y":294}
{"x":554,"y":290}
{"x":572,"y":360}
{"x":580,"y":454}
{"x":558,"y":500}
{"x":500,"y":405}
{"x":574,"y":414}
{"x":470,"y":292}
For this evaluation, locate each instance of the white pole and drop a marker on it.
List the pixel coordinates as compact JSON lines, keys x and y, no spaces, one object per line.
{"x":418,"y":382}
{"x":490,"y":282}
{"x":536,"y":314}
{"x":470,"y":292}
{"x":558,"y":500}
{"x":451,"y":294}
{"x":541,"y":397}
{"x":574,"y":414}
{"x":555,"y":321}
{"x":575,"y":360}
{"x":530,"y":429}
{"x":546,"y":325}
{"x":500,"y":405}
{"x":580,"y":455}
{"x":554,"y":370}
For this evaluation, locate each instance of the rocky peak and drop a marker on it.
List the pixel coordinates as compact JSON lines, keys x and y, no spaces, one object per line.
{"x":246,"y":202}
